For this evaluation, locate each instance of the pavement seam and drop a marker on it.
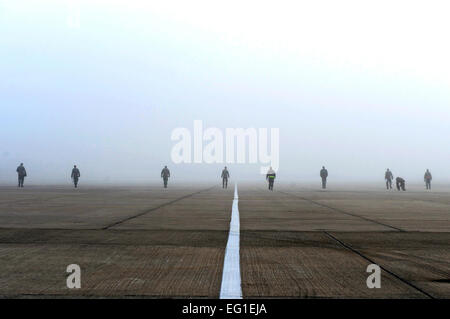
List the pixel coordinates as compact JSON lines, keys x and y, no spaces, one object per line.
{"x":407,"y":282}
{"x":154,"y":208}
{"x":343,"y":211}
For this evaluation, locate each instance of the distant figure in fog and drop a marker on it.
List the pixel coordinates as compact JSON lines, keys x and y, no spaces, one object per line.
{"x":225,"y":175}
{"x":270,"y":177}
{"x":388,"y":177}
{"x":75,"y":175}
{"x":324,"y":176}
{"x":427,"y":178}
{"x":22,"y":173}
{"x":165,"y":174}
{"x":400,"y":183}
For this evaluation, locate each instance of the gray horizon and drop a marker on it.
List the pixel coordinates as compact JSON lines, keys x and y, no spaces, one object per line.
{"x":102,"y":86}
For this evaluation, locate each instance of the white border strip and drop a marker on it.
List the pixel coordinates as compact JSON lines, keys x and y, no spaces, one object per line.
{"x":231,"y":278}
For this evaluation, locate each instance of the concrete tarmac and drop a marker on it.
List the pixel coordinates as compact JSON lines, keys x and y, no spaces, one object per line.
{"x":296,"y":242}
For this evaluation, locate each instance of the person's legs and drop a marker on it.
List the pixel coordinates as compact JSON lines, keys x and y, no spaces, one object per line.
{"x":75,"y":181}
{"x":165,"y":182}
{"x":22,"y":178}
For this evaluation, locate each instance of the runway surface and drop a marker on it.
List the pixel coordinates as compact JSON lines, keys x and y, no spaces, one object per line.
{"x":296,"y":242}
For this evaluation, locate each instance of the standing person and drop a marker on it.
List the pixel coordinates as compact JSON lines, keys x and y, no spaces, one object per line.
{"x":165,"y":174}
{"x":75,"y":175}
{"x":388,"y":176}
{"x":22,"y":173}
{"x":400,"y":183}
{"x":225,"y":175}
{"x":271,"y":177}
{"x":427,"y":178}
{"x":324,"y":176}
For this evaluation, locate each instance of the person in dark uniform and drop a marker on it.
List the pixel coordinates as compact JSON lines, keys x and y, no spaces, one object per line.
{"x":75,"y":175}
{"x":400,"y":183}
{"x":388,"y":177}
{"x":324,"y":176}
{"x":427,"y":178}
{"x":165,"y":174}
{"x":22,"y":173}
{"x":225,"y":175}
{"x":270,"y":177}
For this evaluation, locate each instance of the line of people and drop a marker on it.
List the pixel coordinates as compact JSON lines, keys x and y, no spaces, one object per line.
{"x":400,"y":182}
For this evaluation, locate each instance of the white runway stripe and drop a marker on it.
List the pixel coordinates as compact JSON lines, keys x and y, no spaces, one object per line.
{"x":231,"y":278}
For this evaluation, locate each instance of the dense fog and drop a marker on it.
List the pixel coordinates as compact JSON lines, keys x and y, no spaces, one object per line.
{"x":103,"y":85}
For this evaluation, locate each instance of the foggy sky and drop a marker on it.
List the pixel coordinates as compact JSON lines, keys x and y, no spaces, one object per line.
{"x":355,"y":87}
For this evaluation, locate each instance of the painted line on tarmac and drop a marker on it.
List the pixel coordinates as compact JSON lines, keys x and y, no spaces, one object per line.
{"x":231,"y":277}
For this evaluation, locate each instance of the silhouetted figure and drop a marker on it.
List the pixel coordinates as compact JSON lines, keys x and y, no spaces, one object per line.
{"x":165,"y":174}
{"x":388,"y":177}
{"x":324,"y":176}
{"x":427,"y":178}
{"x":75,"y":175}
{"x":225,"y":175}
{"x":270,"y":177}
{"x":400,"y":183}
{"x":22,"y":173}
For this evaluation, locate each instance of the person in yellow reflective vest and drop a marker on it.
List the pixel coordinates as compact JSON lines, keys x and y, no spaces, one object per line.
{"x":270,"y":177}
